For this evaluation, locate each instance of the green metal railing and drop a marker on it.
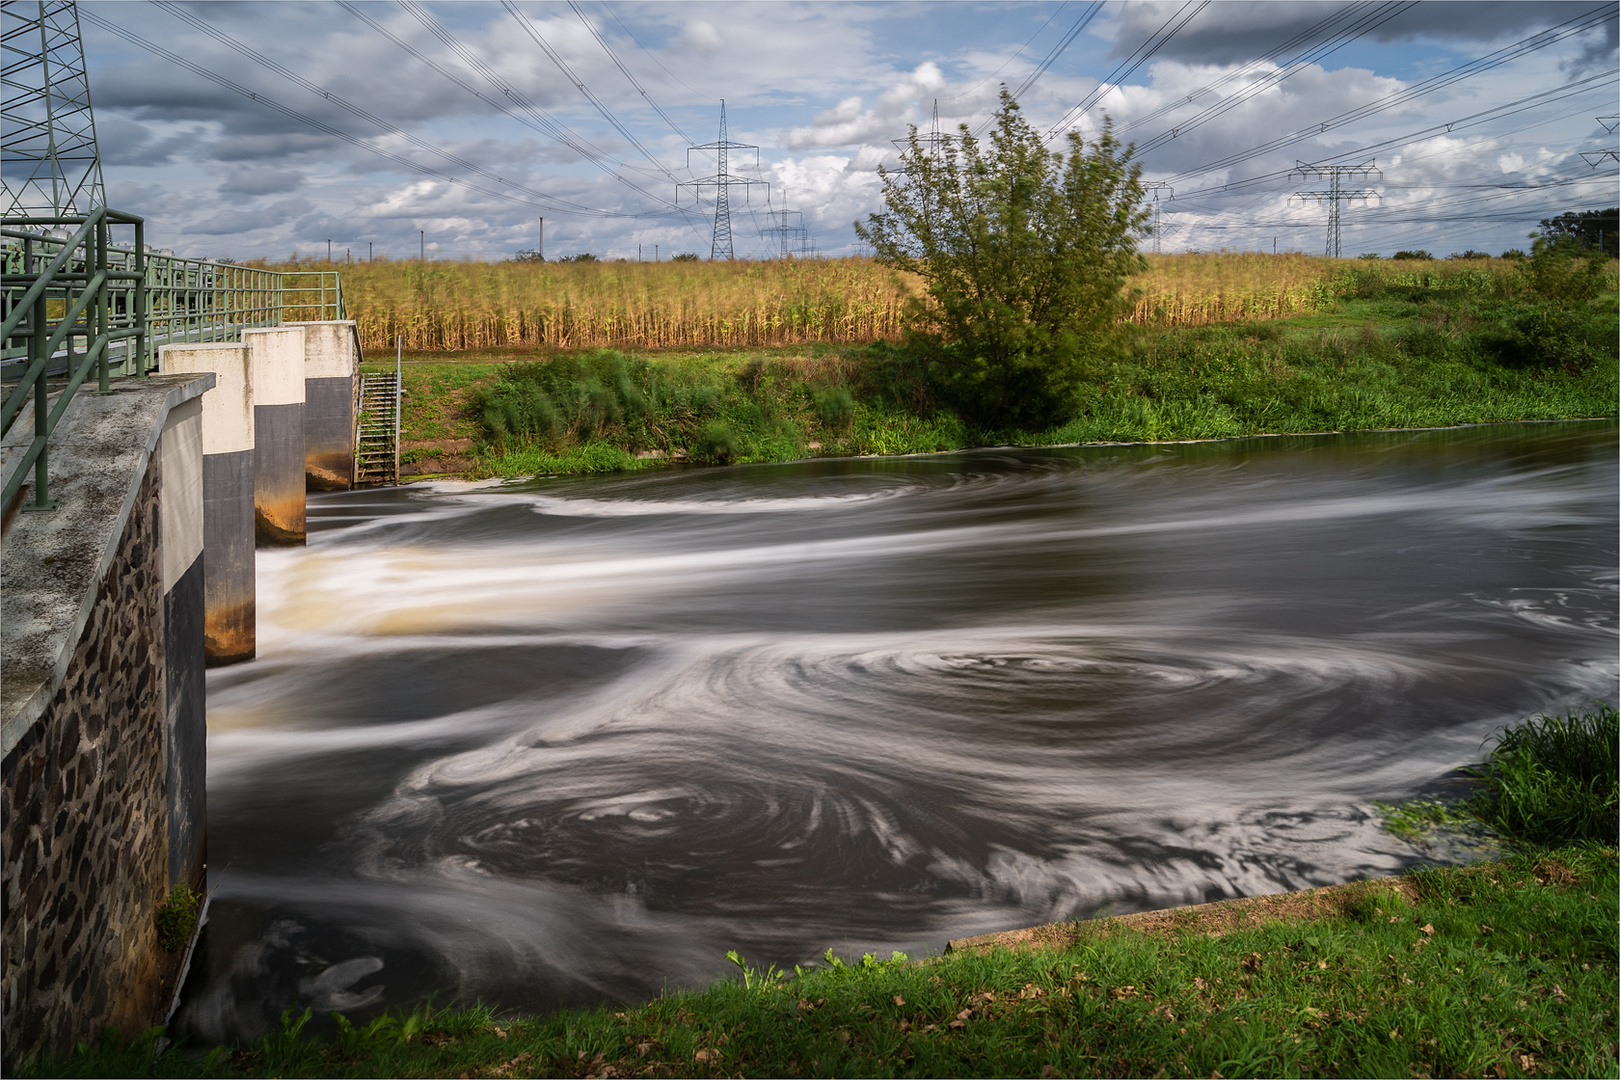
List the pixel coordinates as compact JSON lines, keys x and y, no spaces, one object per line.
{"x":74,"y":301}
{"x":66,"y":294}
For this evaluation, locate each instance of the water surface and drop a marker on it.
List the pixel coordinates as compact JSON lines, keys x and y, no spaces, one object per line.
{"x":570,"y":740}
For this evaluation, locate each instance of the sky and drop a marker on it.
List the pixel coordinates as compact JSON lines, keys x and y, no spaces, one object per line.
{"x":254,"y":130}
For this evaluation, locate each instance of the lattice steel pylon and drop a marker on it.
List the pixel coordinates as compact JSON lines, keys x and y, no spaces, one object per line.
{"x":1336,"y":192}
{"x":1154,"y":188}
{"x":48,"y":157}
{"x":723,"y":181}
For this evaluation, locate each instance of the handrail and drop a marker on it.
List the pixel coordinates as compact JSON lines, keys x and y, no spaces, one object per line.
{"x":57,"y":281}
{"x":120,"y":305}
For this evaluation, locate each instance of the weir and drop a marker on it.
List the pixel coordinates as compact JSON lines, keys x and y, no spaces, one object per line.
{"x":133,"y":507}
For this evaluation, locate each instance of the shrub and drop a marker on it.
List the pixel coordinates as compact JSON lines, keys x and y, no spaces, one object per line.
{"x":1554,"y":779}
{"x":835,"y":406}
{"x":1024,"y":254}
{"x":717,"y":443}
{"x":582,"y":257}
{"x":1418,"y":255}
{"x":686,"y":256}
{"x":177,"y":917}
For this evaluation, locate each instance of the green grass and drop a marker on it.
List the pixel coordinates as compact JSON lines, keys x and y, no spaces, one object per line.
{"x":1380,"y":350}
{"x":1505,"y":969}
{"x":1554,"y":779}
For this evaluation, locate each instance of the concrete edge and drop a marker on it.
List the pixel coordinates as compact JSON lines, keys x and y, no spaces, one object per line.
{"x":1216,"y":917}
{"x":182,"y":388}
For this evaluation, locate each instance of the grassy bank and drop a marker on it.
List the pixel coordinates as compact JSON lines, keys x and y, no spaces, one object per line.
{"x":1388,"y":347}
{"x":1503,"y":969}
{"x":457,"y":306}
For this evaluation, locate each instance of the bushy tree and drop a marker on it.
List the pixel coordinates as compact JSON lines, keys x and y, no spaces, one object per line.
{"x":1583,"y":230}
{"x":1025,"y":253}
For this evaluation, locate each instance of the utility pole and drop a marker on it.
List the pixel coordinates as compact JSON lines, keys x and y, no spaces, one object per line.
{"x":47,"y":128}
{"x":421,"y":240}
{"x":1156,"y":188}
{"x":541,"y":250}
{"x":722,"y":181}
{"x":1336,"y":193}
{"x":329,"y":250}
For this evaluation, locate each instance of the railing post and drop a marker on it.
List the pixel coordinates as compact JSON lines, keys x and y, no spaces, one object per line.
{"x":38,"y":349}
{"x":103,"y":366}
{"x":143,"y":340}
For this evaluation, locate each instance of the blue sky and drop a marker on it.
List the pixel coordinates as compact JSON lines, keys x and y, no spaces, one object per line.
{"x":393,"y":123}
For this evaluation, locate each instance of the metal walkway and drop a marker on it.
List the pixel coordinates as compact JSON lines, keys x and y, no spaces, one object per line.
{"x":376,"y":433}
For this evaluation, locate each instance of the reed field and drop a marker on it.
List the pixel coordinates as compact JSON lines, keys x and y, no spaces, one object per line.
{"x":456,"y":306}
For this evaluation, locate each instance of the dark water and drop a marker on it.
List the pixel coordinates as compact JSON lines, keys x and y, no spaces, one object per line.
{"x":572,"y":740}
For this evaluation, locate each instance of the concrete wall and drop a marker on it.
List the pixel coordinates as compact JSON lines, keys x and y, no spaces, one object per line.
{"x":228,"y":435}
{"x":276,"y":366}
{"x":331,"y":387}
{"x":100,"y":695}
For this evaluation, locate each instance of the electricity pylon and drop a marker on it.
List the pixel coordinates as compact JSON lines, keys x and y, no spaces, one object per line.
{"x":722,"y":181}
{"x":931,"y":140}
{"x":48,"y":157}
{"x":1595,"y":158}
{"x":1154,"y":189}
{"x":1336,"y":192}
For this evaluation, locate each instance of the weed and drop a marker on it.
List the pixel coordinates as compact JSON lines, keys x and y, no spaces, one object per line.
{"x":177,"y":917}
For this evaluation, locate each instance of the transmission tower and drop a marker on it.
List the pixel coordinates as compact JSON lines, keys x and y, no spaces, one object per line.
{"x":1595,"y":158}
{"x":931,"y":140}
{"x":48,"y":157}
{"x":722,"y":181}
{"x":1155,"y":188}
{"x":1336,"y":193}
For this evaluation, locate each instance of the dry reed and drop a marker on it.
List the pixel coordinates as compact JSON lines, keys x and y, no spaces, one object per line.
{"x":452,"y":306}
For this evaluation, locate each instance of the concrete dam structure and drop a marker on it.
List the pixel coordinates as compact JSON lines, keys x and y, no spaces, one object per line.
{"x":112,"y":603}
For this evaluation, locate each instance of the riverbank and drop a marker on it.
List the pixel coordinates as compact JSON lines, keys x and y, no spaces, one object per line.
{"x":1436,"y":352}
{"x":1504,"y":969}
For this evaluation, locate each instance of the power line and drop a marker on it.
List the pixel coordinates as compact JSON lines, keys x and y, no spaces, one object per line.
{"x":1057,"y":50}
{"x":225,"y":39}
{"x":559,"y":206}
{"x":633,"y":82}
{"x":1128,"y":66}
{"x":568,"y":72}
{"x":974,"y":88}
{"x":609,"y":9}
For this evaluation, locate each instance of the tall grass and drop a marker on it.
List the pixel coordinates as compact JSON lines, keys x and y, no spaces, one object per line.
{"x":453,"y":306}
{"x":1555,"y":779}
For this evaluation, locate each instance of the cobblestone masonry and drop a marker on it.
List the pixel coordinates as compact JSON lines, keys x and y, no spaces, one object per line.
{"x":84,"y":823}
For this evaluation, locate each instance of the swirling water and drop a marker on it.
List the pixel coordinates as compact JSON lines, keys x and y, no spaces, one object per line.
{"x":570,"y":740}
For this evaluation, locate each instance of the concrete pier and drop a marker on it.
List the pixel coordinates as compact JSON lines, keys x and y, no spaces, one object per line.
{"x":227,"y":428}
{"x":331,"y":388}
{"x":276,"y":371}
{"x":180,"y":528}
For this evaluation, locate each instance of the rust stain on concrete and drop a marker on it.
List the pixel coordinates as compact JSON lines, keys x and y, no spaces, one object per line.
{"x":278,"y":522}
{"x":230,"y":634}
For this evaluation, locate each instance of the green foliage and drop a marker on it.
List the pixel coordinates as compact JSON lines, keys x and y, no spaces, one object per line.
{"x":835,"y":406}
{"x":685,"y":256}
{"x":1418,"y":255}
{"x":1554,"y":779}
{"x":1024,"y":254}
{"x":1584,"y":230}
{"x":582,"y":257}
{"x":717,"y":443}
{"x":177,"y":917}
{"x":528,"y":255}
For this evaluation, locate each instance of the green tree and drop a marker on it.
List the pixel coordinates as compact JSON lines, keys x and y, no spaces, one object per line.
{"x":1025,"y":253}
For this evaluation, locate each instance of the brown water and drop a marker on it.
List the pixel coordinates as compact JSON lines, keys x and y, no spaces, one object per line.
{"x":570,"y":740}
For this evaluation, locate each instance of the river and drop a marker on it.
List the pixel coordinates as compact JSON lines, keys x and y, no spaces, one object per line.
{"x":568,"y":741}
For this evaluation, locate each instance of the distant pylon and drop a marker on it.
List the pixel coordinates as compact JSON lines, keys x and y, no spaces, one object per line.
{"x":48,"y":157}
{"x":1336,"y":192}
{"x":722,"y":181}
{"x":932,"y":140}
{"x":1155,"y":188}
{"x":788,"y":225}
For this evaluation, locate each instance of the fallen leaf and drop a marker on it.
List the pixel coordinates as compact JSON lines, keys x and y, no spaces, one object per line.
{"x":1322,"y":964}
{"x":964,"y":1014}
{"x":704,"y":1055}
{"x":956,"y":1023}
{"x":643,"y":1049}
{"x":898,"y":1000}
{"x":1427,"y":928}
{"x":1199,"y":983}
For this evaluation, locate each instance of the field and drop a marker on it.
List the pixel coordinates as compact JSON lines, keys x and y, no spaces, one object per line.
{"x":457,"y":306}
{"x":1359,"y":345}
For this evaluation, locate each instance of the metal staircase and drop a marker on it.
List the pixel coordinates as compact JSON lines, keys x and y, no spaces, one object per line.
{"x":376,"y":434}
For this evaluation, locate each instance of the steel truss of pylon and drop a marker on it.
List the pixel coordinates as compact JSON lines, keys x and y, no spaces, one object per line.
{"x":1337,"y":194}
{"x":931,"y":141}
{"x":1154,"y":190}
{"x":48,"y":156}
{"x":722,"y":181}
{"x":793,"y":239}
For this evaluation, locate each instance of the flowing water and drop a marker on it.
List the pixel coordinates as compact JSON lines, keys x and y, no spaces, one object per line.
{"x":570,"y":740}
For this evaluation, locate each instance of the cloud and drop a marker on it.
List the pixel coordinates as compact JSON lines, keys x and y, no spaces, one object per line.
{"x":261,"y":181}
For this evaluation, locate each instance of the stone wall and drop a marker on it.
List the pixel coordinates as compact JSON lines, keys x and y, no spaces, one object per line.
{"x":85,"y":822}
